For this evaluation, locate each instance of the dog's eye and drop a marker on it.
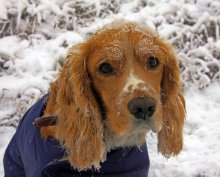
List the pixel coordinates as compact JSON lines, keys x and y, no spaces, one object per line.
{"x":152,"y":62}
{"x":106,"y":68}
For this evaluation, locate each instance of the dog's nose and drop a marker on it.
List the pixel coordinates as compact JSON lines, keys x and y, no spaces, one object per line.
{"x":142,"y":107}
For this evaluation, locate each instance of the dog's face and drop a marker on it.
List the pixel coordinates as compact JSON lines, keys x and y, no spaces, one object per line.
{"x":112,"y":89}
{"x":126,"y":69}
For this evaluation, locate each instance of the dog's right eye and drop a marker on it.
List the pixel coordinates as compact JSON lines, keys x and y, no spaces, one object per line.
{"x":152,"y":62}
{"x":106,"y":69}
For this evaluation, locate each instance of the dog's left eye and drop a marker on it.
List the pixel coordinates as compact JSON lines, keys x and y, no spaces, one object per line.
{"x":152,"y":62}
{"x":106,"y":69}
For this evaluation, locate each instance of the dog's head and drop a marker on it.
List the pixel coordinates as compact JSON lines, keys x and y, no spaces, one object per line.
{"x":113,"y":88}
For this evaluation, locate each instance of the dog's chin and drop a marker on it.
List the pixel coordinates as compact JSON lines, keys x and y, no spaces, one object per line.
{"x":147,"y":125}
{"x":153,"y":126}
{"x":135,"y":136}
{"x":129,"y":140}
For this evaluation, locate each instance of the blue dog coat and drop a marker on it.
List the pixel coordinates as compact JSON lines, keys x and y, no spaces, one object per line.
{"x":29,"y":155}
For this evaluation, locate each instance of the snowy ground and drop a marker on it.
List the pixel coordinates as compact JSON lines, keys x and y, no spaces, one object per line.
{"x":35,"y":36}
{"x":201,"y":153}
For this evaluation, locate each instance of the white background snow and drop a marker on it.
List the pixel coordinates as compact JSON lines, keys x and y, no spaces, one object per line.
{"x":35,"y":35}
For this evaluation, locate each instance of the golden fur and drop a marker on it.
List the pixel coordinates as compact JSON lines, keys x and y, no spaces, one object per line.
{"x":92,"y":108}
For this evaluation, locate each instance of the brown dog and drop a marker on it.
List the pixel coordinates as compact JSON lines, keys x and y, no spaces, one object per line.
{"x":113,"y":88}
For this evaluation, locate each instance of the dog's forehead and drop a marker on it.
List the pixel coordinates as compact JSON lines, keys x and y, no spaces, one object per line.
{"x":114,"y":51}
{"x":123,"y":31}
{"x":123,"y":35}
{"x":124,"y":41}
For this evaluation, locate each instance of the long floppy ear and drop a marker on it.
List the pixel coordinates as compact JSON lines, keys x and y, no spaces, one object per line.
{"x":170,"y":140}
{"x":80,"y":122}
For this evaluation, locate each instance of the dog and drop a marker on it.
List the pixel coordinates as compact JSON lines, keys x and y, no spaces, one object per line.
{"x":119,"y":84}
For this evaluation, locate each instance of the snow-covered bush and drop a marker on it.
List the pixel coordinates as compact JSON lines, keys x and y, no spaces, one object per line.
{"x":197,"y":40}
{"x":25,"y":17}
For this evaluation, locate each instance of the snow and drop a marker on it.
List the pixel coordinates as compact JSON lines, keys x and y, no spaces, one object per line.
{"x":35,"y":36}
{"x":200,"y":155}
{"x":3,"y":11}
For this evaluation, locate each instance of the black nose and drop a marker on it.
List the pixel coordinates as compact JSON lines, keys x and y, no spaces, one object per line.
{"x":142,"y":107}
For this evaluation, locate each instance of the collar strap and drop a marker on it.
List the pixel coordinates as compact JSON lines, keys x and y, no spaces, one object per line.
{"x":46,"y":121}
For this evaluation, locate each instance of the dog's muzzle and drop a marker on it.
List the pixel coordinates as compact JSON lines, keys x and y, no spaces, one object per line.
{"x":142,"y":107}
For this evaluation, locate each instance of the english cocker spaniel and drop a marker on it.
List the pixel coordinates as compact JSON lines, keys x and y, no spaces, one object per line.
{"x":120,"y":83}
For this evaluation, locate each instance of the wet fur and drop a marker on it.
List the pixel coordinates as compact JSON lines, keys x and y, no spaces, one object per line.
{"x":89,"y":124}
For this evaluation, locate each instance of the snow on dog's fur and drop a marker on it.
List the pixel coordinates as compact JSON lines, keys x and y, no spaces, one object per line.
{"x":92,"y":106}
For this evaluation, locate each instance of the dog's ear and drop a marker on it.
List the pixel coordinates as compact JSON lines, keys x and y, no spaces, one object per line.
{"x":170,"y":140}
{"x":80,"y":122}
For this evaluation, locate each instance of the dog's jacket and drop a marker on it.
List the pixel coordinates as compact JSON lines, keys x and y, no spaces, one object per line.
{"x":29,"y":155}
